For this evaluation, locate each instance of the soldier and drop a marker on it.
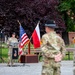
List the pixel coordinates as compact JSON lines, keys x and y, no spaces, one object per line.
{"x":53,"y":49}
{"x":11,"y":43}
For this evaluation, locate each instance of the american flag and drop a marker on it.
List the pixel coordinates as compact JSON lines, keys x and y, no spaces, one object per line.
{"x":23,"y":39}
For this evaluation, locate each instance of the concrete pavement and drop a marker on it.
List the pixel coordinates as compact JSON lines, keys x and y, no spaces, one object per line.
{"x":33,"y":68}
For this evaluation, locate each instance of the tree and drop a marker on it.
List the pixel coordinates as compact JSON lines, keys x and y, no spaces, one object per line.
{"x":28,"y":12}
{"x":67,"y":8}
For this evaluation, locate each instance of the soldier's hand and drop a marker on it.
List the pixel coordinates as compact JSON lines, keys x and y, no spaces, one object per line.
{"x":58,"y":57}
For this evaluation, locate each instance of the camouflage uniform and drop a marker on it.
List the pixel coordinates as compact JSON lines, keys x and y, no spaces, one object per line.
{"x":11,"y":41}
{"x":52,"y":44}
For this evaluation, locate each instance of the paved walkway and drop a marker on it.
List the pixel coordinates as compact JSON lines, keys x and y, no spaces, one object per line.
{"x":67,"y":68}
{"x":33,"y":69}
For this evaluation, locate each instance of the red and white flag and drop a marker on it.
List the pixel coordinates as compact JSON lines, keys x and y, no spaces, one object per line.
{"x":36,"y":37}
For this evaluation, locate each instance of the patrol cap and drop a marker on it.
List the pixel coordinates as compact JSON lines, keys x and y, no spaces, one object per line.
{"x":51,"y":24}
{"x":13,"y":33}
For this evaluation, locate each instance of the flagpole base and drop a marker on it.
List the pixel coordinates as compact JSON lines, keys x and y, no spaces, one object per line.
{"x":29,"y":58}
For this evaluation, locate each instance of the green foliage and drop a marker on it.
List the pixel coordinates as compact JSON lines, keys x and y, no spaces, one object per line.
{"x":67,"y":8}
{"x":70,"y":25}
{"x":64,"y":6}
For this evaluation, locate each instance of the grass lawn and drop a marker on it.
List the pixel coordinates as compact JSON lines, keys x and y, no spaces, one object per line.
{"x":5,"y":55}
{"x":69,"y":57}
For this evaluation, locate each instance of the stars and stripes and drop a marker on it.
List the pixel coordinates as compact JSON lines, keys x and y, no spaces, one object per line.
{"x":23,"y":39}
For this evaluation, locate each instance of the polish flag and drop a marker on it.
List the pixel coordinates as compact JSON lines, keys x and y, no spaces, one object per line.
{"x":36,"y":37}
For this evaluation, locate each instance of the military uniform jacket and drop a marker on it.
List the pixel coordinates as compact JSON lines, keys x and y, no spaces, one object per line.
{"x":11,"y":41}
{"x":52,"y":44}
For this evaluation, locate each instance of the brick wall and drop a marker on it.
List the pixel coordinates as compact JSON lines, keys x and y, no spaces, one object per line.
{"x":71,"y":36}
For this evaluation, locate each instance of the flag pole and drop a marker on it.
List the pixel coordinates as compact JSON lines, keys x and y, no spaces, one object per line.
{"x":29,"y":41}
{"x":29,"y":47}
{"x":19,"y":22}
{"x":19,"y":26}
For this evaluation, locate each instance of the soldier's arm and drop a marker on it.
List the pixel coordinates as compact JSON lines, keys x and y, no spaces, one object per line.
{"x":63,"y":48}
{"x":46,"y":52}
{"x":8,"y":41}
